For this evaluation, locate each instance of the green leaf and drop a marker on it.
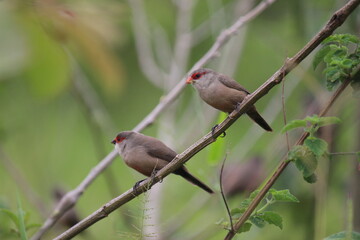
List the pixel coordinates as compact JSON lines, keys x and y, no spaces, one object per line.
{"x":22,"y":228}
{"x":350,"y":38}
{"x":254,"y":194}
{"x":245,"y":227}
{"x":283,"y":196}
{"x":332,"y":74}
{"x":330,"y":85}
{"x":314,"y":119}
{"x":347,"y":63}
{"x":343,"y":39}
{"x":316,"y":145}
{"x":324,"y":121}
{"x":258,"y":220}
{"x":304,"y":159}
{"x":272,"y":218}
{"x":237,"y":212}
{"x":244,"y":204}
{"x":306,"y":163}
{"x":340,"y":52}
{"x":332,"y":38}
{"x":319,"y":56}
{"x":293,"y":124}
{"x":343,"y":236}
{"x":292,"y":154}
{"x":33,"y":225}
{"x":11,"y":215}
{"x":311,"y":179}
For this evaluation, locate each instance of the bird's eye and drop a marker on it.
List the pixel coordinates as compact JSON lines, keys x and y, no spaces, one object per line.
{"x":196,"y":75}
{"x":119,"y":139}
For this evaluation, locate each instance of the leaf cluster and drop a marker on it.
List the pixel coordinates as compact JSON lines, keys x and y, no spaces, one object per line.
{"x":261,"y":217}
{"x":341,"y":55}
{"x":306,"y":156}
{"x":344,"y":236}
{"x":20,"y":218}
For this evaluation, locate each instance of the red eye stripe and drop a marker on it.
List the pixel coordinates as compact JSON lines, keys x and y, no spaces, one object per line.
{"x":120,"y":139}
{"x":197,"y":75}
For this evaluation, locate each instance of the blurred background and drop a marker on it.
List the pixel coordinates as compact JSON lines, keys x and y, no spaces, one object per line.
{"x":75,"y":73}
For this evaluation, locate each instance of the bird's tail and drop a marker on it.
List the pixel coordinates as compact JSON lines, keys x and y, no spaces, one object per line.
{"x":185,"y":174}
{"x":254,"y":115}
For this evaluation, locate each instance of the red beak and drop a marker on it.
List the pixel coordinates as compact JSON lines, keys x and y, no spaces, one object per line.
{"x":113,"y":141}
{"x":189,"y":80}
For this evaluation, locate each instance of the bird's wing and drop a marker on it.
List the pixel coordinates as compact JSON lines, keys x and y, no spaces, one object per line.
{"x":231,"y":83}
{"x":161,"y":151}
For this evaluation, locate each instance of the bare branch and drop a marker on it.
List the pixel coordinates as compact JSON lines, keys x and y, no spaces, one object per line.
{"x":344,"y":154}
{"x":72,"y":197}
{"x":336,"y":20}
{"x":284,"y":113}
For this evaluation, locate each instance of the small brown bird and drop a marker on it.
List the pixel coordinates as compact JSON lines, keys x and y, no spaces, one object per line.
{"x":147,"y":155}
{"x":223,"y":93}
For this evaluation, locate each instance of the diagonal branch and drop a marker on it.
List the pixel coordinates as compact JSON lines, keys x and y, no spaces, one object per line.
{"x":70,"y":199}
{"x":336,"y":20}
{"x":280,"y":169}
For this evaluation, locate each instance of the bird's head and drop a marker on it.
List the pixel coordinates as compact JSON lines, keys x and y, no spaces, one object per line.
{"x":201,"y":74}
{"x":121,"y":137}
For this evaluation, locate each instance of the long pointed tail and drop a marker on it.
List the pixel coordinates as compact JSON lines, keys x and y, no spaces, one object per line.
{"x":254,"y":115}
{"x":185,"y":174}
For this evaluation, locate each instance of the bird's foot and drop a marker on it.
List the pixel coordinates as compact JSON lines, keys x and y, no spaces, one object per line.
{"x":136,"y":185}
{"x":153,"y":174}
{"x":213,"y":131}
{"x":237,"y":108}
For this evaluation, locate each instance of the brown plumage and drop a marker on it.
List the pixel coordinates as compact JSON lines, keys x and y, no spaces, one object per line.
{"x":147,"y":154}
{"x":223,"y":93}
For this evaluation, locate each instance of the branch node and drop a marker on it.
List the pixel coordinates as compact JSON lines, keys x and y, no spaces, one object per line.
{"x":103,"y":212}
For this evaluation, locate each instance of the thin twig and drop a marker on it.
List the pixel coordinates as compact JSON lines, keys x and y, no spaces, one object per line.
{"x":344,"y":153}
{"x":284,"y":113}
{"x":337,"y":19}
{"x":223,"y":195}
{"x":72,"y":197}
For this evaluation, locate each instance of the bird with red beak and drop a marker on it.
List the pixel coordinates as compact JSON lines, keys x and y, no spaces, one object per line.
{"x":223,"y":93}
{"x":147,"y":155}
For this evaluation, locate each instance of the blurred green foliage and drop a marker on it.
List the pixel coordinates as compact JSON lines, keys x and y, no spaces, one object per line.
{"x":54,"y":136}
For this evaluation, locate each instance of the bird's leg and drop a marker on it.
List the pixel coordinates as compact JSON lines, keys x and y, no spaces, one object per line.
{"x":238,"y":105}
{"x":153,"y":174}
{"x":213,"y":131}
{"x":136,"y":185}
